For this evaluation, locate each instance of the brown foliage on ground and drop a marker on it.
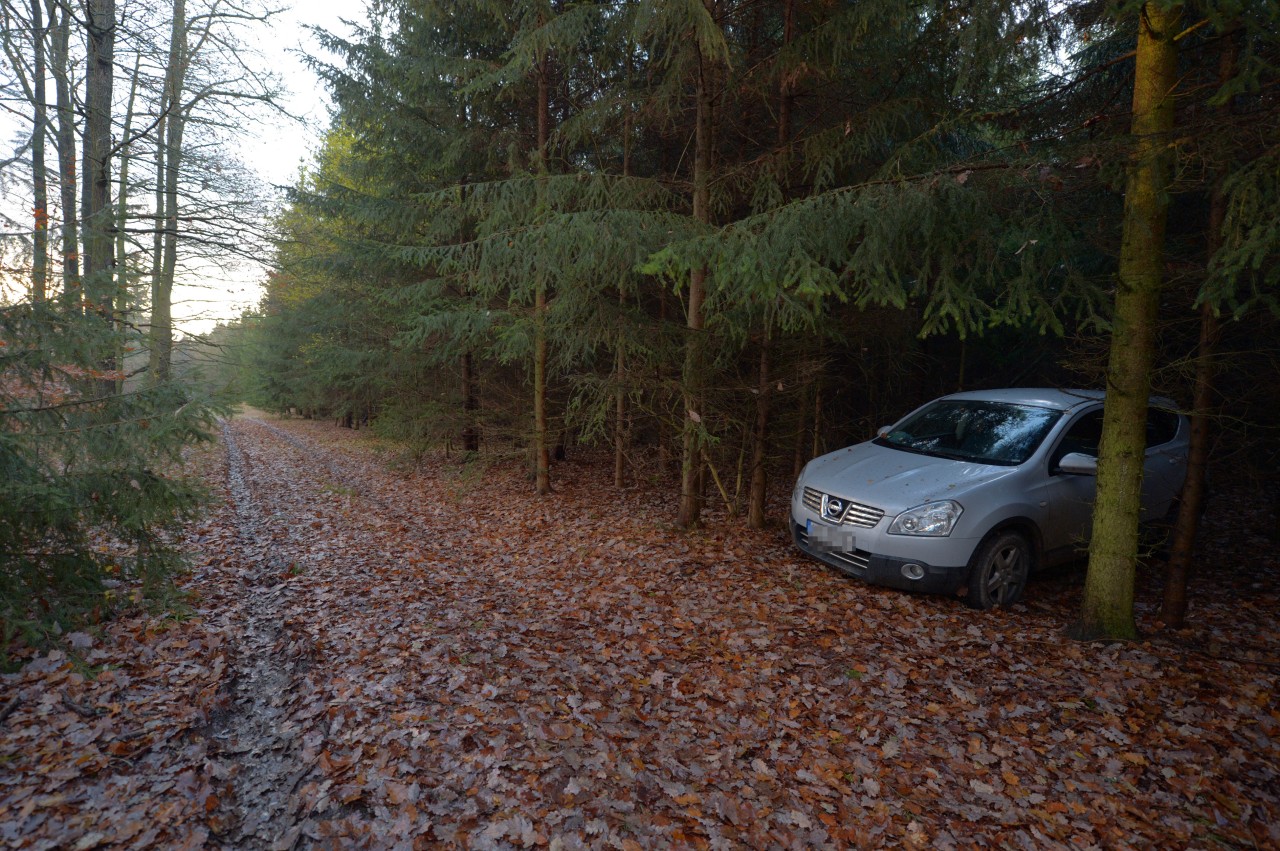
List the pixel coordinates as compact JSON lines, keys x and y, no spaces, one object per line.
{"x":439,"y":656}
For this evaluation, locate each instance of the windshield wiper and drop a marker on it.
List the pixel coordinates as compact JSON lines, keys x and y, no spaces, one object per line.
{"x":919,"y":450}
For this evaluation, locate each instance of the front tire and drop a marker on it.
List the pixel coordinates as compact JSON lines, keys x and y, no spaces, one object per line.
{"x":998,"y":571}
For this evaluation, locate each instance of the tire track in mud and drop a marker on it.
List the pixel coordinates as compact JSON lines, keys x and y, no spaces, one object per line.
{"x":327,"y":460}
{"x":256,"y":750}
{"x":363,"y":483}
{"x":288,"y":511}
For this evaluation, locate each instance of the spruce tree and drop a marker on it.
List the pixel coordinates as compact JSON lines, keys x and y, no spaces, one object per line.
{"x":91,"y":489}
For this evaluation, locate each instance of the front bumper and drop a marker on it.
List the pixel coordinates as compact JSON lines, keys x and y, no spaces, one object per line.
{"x":883,"y":569}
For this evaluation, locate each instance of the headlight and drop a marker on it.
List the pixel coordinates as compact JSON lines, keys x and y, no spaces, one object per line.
{"x":933,"y":519}
{"x":799,"y":485}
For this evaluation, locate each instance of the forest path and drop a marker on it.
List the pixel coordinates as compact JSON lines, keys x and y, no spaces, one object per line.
{"x":254,"y":745}
{"x":296,"y":509}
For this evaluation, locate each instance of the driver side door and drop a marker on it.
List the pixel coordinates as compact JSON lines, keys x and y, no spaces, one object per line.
{"x":1067,"y":498}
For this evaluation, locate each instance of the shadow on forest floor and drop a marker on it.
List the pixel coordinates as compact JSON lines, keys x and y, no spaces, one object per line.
{"x":415,"y":653}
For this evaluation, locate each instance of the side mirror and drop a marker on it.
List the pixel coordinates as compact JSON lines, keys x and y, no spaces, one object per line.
{"x":1079,"y":464}
{"x":883,"y":431}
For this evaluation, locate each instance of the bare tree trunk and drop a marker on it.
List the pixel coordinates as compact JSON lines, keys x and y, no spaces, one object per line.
{"x":161,"y":363}
{"x":1107,"y":610}
{"x":691,"y":481}
{"x":123,"y":305}
{"x":59,"y":48}
{"x":541,"y":450}
{"x":785,"y":95}
{"x":660,"y":398}
{"x":757,"y":497}
{"x":619,"y":422}
{"x":470,"y":435}
{"x":122,"y":198}
{"x":157,"y":239}
{"x":39,"y":179}
{"x":1173,"y":610}
{"x":470,"y":404}
{"x":541,"y":447}
{"x":816,"y":449}
{"x":620,"y":362}
{"x":13,"y":26}
{"x":161,"y":360}
{"x":628,"y":122}
{"x":799,"y":457}
{"x":758,"y":494}
{"x":693,"y":377}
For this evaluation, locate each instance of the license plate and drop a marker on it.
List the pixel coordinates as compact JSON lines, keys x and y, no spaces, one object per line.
{"x":830,"y":538}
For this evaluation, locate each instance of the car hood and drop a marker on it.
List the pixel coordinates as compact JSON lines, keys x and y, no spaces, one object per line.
{"x":895,"y":480}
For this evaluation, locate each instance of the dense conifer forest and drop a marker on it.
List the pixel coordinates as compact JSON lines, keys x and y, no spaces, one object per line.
{"x":731,"y":236}
{"x":713,"y":238}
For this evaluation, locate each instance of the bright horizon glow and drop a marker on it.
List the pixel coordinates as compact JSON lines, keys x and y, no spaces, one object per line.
{"x":275,"y":148}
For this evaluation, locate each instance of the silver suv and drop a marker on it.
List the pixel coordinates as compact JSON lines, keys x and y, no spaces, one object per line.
{"x":974,"y":491}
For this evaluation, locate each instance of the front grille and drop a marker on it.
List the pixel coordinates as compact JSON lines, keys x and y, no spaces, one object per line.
{"x":862,"y":515}
{"x":812,"y":499}
{"x":855,"y":514}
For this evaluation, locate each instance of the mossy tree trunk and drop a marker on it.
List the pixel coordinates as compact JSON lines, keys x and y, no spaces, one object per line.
{"x":97,"y":213}
{"x":1107,"y":610}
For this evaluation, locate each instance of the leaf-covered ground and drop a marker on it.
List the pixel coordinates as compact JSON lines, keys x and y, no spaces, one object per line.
{"x":437,"y":657}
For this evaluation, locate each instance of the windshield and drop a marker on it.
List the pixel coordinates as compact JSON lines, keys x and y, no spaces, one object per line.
{"x":986,"y":432}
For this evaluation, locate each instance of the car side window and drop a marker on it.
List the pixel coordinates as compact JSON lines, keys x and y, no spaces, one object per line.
{"x":1084,"y":435}
{"x":1162,"y":426}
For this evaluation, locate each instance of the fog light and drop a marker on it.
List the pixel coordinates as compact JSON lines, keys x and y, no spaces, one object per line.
{"x":911,"y":570}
